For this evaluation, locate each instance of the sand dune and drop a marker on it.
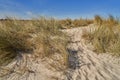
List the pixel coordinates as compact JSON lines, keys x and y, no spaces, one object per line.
{"x":84,"y":64}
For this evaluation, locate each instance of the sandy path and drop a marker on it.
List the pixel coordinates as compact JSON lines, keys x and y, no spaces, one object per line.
{"x":87,"y":65}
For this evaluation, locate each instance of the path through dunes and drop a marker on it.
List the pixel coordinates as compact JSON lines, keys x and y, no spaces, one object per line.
{"x":84,"y":64}
{"x":87,"y":65}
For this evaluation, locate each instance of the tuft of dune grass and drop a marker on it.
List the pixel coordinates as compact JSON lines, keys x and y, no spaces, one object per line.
{"x":41,"y":37}
{"x":105,"y":38}
{"x":13,"y":40}
{"x":69,"y":23}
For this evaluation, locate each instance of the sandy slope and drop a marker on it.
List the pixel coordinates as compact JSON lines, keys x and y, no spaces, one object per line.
{"x":84,"y":64}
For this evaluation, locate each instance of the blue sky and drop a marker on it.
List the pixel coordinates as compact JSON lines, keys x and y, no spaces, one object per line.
{"x":59,"y":8}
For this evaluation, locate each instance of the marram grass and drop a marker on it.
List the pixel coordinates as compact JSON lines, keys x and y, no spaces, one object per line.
{"x":106,"y":37}
{"x":19,"y":36}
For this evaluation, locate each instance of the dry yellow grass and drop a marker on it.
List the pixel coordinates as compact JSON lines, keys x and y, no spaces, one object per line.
{"x":106,"y":36}
{"x":69,"y":23}
{"x":44,"y":35}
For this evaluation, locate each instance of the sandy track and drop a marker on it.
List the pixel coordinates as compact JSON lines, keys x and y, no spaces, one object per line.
{"x":87,"y":65}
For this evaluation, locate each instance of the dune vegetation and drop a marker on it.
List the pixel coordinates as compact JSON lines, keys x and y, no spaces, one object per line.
{"x":106,"y":36}
{"x":44,"y":37}
{"x":41,"y":37}
{"x":69,"y":23}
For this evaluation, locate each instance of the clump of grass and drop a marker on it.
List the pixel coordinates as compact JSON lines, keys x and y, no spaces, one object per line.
{"x":110,"y":21}
{"x":82,"y":22}
{"x":102,"y":38}
{"x":98,"y":20}
{"x":13,"y":39}
{"x":50,"y":38}
{"x":42,"y":37}
{"x":69,"y":23}
{"x":106,"y":36}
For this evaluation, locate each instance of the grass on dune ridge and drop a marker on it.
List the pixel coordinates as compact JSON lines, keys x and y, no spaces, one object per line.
{"x":106,"y":37}
{"x":44,"y":35}
{"x":69,"y":23}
